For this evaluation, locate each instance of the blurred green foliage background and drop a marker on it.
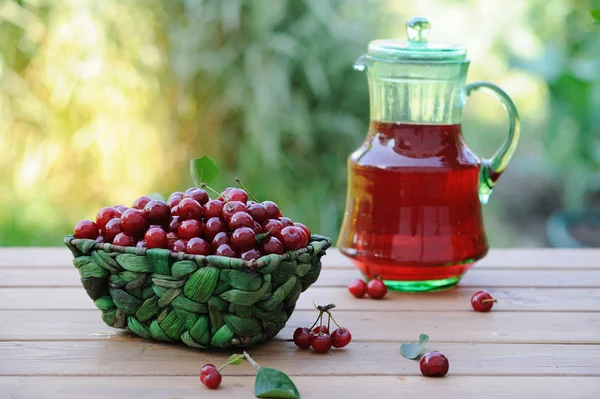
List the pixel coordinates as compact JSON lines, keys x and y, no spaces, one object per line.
{"x":104,"y":101}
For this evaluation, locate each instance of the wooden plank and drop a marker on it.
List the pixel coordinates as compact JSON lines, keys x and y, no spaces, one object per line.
{"x":509,"y":299}
{"x":318,"y":387}
{"x":36,"y":257}
{"x":531,"y":258}
{"x":335,"y":277}
{"x":105,"y":358}
{"x":447,"y":326}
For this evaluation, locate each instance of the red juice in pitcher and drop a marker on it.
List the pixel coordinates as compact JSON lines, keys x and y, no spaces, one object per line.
{"x":414,"y":209}
{"x":415,"y":189}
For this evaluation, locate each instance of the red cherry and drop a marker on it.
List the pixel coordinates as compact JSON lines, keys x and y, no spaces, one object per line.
{"x":189,"y":229}
{"x":340,"y":337}
{"x":172,"y":237}
{"x":322,"y":343}
{"x":212,"y":227}
{"x":243,"y":238}
{"x":141,"y":244}
{"x":258,"y":228}
{"x":434,"y":364}
{"x":323,"y":329}
{"x":210,"y":376}
{"x":376,"y":289}
{"x":258,"y":212}
{"x":156,"y":238}
{"x":305,"y":238}
{"x":86,"y":229}
{"x":250,"y":255}
{"x":179,"y":194}
{"x":213,"y":209}
{"x":200,"y":195}
{"x":291,"y":237}
{"x":224,"y":193}
{"x":482,"y":301}
{"x":286,"y":221}
{"x":303,"y":337}
{"x":141,"y":202}
{"x":274,"y":226}
{"x":174,"y":224}
{"x":112,"y":228}
{"x":123,"y":240}
{"x":220,"y":239}
{"x":173,"y":201}
{"x":231,"y":209}
{"x":250,"y":202}
{"x":175,"y":210}
{"x":197,"y":246}
{"x":303,"y":227}
{"x":189,"y":208}
{"x":120,"y":208}
{"x":225,"y":250}
{"x":133,"y":221}
{"x":271,"y":245}
{"x":178,"y":246}
{"x":273,"y":211}
{"x":106,"y":214}
{"x":157,"y":211}
{"x":358,"y":288}
{"x":237,"y":194}
{"x":241,"y":219}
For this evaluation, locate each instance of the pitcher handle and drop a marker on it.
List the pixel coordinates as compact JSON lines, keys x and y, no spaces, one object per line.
{"x":492,"y":168}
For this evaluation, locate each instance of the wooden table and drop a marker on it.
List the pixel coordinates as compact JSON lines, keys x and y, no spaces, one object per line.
{"x":541,"y":340}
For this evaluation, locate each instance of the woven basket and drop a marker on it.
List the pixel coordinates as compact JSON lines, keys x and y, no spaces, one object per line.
{"x":202,"y":301}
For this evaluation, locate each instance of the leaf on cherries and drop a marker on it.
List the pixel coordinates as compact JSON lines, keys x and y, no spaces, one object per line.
{"x":414,"y":350}
{"x":264,"y":235}
{"x":204,"y":170}
{"x":157,"y":196}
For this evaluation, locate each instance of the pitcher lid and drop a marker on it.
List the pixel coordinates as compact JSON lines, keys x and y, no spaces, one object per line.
{"x":417,"y":47}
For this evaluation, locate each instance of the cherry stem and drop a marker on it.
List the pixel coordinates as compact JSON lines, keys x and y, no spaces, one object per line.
{"x":251,"y":361}
{"x":335,"y":322}
{"x":238,"y":181}
{"x":321,"y":324}
{"x":488,"y":300}
{"x":204,"y":185}
{"x":329,"y":322}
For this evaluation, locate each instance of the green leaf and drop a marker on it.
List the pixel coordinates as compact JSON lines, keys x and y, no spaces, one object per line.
{"x":236,"y":359}
{"x":596,"y":14}
{"x":204,"y":170}
{"x":414,"y":350}
{"x":264,"y":235}
{"x":157,"y":196}
{"x":271,"y":383}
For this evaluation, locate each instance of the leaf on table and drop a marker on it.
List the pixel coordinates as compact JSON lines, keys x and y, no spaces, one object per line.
{"x":204,"y":170}
{"x":414,"y":350}
{"x":272,"y":383}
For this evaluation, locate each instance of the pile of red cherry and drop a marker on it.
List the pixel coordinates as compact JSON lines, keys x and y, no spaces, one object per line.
{"x":191,"y":222}
{"x":319,"y":337}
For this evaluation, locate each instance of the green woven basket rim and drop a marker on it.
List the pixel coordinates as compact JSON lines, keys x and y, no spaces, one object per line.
{"x":254,"y":264}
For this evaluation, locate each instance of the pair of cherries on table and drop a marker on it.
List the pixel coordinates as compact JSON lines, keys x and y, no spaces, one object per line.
{"x":191,"y":222}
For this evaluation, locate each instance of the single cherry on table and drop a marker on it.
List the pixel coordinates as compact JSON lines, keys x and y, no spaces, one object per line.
{"x":210,"y":376}
{"x":482,"y":301}
{"x":434,"y":364}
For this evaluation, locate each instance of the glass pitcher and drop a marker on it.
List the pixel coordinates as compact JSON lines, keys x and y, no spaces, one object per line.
{"x":415,"y":189}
